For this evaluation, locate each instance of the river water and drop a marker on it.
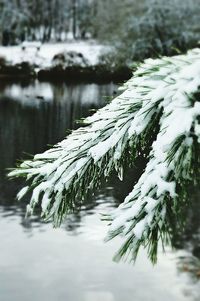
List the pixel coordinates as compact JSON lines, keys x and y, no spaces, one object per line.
{"x":73,"y":263}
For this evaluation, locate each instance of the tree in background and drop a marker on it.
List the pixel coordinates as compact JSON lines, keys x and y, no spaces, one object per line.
{"x":136,"y":28}
{"x":42,"y":20}
{"x":145,"y":28}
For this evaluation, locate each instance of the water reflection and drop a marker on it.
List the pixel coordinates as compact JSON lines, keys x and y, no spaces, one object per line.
{"x":33,"y":116}
{"x":72,"y":263}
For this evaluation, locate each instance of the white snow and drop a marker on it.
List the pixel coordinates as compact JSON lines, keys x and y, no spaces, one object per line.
{"x":177,"y":120}
{"x":43,"y":58}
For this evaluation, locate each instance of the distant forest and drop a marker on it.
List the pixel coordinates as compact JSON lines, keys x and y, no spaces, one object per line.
{"x":144,"y":25}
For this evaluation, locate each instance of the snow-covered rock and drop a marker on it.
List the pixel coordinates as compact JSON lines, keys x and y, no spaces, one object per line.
{"x":70,"y":59}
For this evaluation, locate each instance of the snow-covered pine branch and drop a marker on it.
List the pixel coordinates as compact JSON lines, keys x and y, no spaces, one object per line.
{"x":160,"y":104}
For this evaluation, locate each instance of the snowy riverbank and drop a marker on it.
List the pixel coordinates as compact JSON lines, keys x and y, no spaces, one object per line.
{"x":44,"y":56}
{"x":72,"y":61}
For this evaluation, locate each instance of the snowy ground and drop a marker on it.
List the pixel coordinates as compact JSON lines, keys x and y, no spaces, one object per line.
{"x":15,"y":54}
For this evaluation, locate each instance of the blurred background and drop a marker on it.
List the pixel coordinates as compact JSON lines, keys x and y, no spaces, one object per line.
{"x":60,"y":60}
{"x":127,"y":31}
{"x":147,"y":27}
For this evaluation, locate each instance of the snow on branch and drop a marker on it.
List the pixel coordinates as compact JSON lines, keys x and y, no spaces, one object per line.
{"x":158,"y":110}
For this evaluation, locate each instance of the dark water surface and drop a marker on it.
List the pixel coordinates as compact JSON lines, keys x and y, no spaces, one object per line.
{"x":73,"y":263}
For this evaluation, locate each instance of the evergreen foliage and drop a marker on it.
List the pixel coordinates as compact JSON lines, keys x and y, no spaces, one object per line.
{"x":158,"y":114}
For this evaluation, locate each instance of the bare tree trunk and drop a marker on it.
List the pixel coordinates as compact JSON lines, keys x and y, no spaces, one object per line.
{"x":74,"y":17}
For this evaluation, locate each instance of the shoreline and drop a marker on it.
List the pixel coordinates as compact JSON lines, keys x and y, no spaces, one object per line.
{"x":75,"y":61}
{"x":98,"y":73}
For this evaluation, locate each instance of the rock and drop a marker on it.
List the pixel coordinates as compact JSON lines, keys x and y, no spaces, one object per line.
{"x":69,"y":59}
{"x":96,"y":73}
{"x":22,"y":70}
{"x":2,"y":61}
